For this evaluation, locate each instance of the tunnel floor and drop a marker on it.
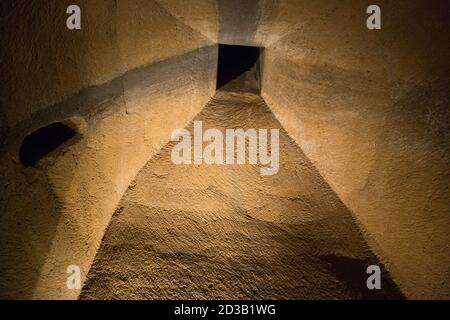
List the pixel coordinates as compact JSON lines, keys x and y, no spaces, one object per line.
{"x":226,"y":232}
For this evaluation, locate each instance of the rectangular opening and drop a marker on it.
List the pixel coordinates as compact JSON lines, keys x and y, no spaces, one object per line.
{"x":238,"y":68}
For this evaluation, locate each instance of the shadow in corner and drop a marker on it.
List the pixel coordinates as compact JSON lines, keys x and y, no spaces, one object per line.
{"x":239,"y":69}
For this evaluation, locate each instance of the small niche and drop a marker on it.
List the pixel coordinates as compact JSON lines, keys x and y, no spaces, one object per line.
{"x":45,"y":140}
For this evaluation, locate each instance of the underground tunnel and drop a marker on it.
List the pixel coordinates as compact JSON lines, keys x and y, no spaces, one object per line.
{"x":355,"y":120}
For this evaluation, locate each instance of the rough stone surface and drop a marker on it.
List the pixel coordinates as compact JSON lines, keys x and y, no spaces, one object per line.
{"x":369,"y":109}
{"x":238,"y":21}
{"x":55,"y":215}
{"x":54,"y":63}
{"x":226,"y":232}
{"x":201,"y":15}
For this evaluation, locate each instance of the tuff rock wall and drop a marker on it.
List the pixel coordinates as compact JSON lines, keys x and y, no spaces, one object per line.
{"x":371,"y":110}
{"x":368,"y":108}
{"x":131,"y":75}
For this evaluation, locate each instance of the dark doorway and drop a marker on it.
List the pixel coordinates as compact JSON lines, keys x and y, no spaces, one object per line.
{"x":238,"y":68}
{"x":43,"y":141}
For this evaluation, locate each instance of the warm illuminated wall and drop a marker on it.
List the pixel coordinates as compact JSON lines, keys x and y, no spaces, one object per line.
{"x":131,"y":75}
{"x":371,"y":110}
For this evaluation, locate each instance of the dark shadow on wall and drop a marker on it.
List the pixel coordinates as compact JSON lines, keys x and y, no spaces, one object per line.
{"x":239,"y":21}
{"x":297,"y":241}
{"x":3,"y":128}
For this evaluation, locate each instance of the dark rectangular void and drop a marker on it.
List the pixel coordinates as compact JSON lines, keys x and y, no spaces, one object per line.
{"x":43,"y":141}
{"x":238,"y":68}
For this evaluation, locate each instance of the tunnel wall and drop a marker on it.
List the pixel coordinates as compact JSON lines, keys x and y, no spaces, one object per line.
{"x":54,"y":63}
{"x":371,"y":110}
{"x":128,"y":78}
{"x":200,"y":15}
